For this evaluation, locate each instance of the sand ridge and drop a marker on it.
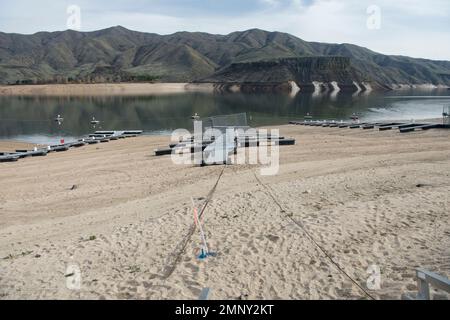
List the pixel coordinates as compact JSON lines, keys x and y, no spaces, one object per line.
{"x":103,"y":89}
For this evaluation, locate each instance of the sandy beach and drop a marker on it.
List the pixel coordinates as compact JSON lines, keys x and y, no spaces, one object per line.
{"x":356,"y":197}
{"x":103,"y":89}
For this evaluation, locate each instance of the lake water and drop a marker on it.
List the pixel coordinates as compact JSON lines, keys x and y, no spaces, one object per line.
{"x":32,"y":118}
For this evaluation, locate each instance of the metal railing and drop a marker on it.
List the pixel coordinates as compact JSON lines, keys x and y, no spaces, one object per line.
{"x":225,"y":121}
{"x":446,"y":115}
{"x":424,"y":280}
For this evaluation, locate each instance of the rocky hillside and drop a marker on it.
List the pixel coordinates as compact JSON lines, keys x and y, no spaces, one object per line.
{"x":306,"y":72}
{"x":117,"y":54}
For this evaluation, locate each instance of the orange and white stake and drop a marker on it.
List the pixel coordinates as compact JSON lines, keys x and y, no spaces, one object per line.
{"x":199,"y":224}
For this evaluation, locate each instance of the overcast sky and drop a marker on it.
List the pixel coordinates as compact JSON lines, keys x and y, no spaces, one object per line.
{"x":416,"y":28}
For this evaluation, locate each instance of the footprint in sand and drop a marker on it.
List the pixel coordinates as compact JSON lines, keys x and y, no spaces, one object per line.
{"x":244,"y":234}
{"x":192,"y":267}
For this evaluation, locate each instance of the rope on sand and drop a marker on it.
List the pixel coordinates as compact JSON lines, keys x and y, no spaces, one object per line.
{"x":181,"y":247}
{"x":310,"y":237}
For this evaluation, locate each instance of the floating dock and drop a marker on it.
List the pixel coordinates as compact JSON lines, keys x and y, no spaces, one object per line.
{"x":403,"y":127}
{"x":246,"y":141}
{"x":233,"y":132}
{"x":96,"y":137}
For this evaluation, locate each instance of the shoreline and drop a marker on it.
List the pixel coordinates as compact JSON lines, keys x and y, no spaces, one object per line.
{"x":13,"y":145}
{"x":103,"y":89}
{"x":143,"y":89}
{"x":9,"y":145}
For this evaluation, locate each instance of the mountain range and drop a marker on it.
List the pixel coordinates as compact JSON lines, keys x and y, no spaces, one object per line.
{"x":253,"y":56}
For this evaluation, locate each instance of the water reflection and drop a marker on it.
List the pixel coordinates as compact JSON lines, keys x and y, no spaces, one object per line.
{"x":31,"y":118}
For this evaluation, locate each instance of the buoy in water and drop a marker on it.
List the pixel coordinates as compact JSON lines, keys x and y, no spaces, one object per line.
{"x":94,"y":121}
{"x":59,"y":119}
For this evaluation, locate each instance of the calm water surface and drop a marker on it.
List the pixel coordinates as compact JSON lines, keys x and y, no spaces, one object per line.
{"x":31,"y":118}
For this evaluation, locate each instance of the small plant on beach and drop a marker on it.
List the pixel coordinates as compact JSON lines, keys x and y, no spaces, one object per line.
{"x":22,"y":254}
{"x":134,"y":269}
{"x":90,"y":238}
{"x":26,"y":253}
